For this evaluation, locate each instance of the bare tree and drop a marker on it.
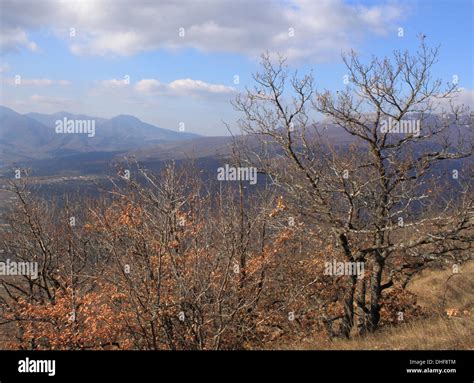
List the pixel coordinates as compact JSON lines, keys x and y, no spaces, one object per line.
{"x":386,"y":196}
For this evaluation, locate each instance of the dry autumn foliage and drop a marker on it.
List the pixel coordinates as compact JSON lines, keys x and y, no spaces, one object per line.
{"x":73,"y":321}
{"x":174,"y":261}
{"x":166,"y":264}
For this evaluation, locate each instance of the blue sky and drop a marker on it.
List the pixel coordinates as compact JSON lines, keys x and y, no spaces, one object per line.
{"x":190,"y":78}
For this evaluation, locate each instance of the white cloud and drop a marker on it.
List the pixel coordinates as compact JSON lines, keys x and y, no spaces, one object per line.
{"x":15,"y":38}
{"x":148,"y":85}
{"x":51,"y":101}
{"x":466,"y":98}
{"x":463,"y":96}
{"x":182,"y":87}
{"x":114,"y":83}
{"x":321,"y":28}
{"x":35,"y":82}
{"x":189,"y":85}
{"x":121,"y":43}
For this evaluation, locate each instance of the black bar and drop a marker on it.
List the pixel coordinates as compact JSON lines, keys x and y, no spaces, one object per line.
{"x":292,"y":366}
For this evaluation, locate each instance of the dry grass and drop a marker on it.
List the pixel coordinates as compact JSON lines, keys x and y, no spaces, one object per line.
{"x":434,"y":333}
{"x":441,"y":289}
{"x":439,"y":292}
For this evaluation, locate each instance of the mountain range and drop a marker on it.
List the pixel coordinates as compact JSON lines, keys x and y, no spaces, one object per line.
{"x":32,"y":136}
{"x":30,"y":141}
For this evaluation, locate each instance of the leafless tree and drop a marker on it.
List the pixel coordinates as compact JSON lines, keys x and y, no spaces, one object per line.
{"x":385,"y":197}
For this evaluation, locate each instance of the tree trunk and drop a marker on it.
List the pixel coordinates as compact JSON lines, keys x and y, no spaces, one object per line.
{"x":375,"y":293}
{"x":361,"y":309}
{"x":348,"y":318}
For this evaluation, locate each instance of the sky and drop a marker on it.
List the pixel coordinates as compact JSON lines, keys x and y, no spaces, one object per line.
{"x":173,"y":62}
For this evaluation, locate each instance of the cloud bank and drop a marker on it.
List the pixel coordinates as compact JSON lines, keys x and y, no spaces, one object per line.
{"x":300,"y":29}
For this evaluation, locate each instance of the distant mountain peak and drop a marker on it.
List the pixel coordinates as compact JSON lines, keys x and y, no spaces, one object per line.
{"x":5,"y":109}
{"x":126,"y":118}
{"x":33,"y":135}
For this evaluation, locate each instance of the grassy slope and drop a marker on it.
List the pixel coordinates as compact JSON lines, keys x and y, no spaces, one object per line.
{"x":439,"y":331}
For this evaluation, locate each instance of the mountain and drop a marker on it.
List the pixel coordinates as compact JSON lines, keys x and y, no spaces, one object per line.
{"x":197,"y":148}
{"x":33,"y":135}
{"x":49,"y":120}
{"x":129,"y":131}
{"x":21,"y":137}
{"x":31,"y":141}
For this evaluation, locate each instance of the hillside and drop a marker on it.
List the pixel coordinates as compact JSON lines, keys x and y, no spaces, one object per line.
{"x":450,"y":326}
